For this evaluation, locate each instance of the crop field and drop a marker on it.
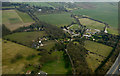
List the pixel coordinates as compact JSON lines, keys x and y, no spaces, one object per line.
{"x":42,"y":4}
{"x":25,"y":38}
{"x":56,"y":19}
{"x":9,"y":52}
{"x":57,"y":66}
{"x":106,"y":12}
{"x":14,"y":20}
{"x":98,"y":48}
{"x":91,"y":24}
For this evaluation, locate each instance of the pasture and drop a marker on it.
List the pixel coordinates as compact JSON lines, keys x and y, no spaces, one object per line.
{"x":57,"y":66}
{"x":13,"y":20}
{"x":25,"y":38}
{"x":56,"y":19}
{"x":91,"y":24}
{"x":98,"y":48}
{"x":9,"y":52}
{"x":94,"y":60}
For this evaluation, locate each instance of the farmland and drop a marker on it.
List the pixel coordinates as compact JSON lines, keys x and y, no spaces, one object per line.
{"x":41,"y":4}
{"x":57,"y":66}
{"x":94,"y":60}
{"x":56,"y":19}
{"x":91,"y":24}
{"x":10,"y":50}
{"x":13,"y":20}
{"x":98,"y":48}
{"x":25,"y":37}
{"x":24,"y":16}
{"x":107,"y":12}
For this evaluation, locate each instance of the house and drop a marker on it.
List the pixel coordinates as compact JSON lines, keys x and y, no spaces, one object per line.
{"x":41,"y":44}
{"x":39,"y":10}
{"x":28,"y":72}
{"x":42,"y":73}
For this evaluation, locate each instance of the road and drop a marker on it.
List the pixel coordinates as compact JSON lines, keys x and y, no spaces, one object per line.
{"x":114,"y":70}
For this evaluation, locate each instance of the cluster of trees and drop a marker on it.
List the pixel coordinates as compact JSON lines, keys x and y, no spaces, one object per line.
{"x":105,"y":38}
{"x":78,"y":54}
{"x":5,"y":30}
{"x":46,"y":57}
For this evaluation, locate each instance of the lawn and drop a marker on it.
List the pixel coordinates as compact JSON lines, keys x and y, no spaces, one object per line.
{"x":91,"y":24}
{"x":104,"y":11}
{"x":25,"y":38}
{"x":14,"y":20}
{"x":75,"y":26}
{"x":9,"y":51}
{"x":57,"y":66}
{"x":98,"y":48}
{"x":56,"y":19}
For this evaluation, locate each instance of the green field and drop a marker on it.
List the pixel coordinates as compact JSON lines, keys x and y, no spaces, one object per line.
{"x":25,"y":38}
{"x":92,"y":62}
{"x":24,"y":16}
{"x":112,"y":31}
{"x":48,"y":45}
{"x":98,"y":48}
{"x":40,"y":4}
{"x":14,"y":20}
{"x":56,"y":19}
{"x":74,"y":26}
{"x":57,"y":66}
{"x":106,"y":12}
{"x":9,"y":51}
{"x":91,"y":24}
{"x":95,"y":60}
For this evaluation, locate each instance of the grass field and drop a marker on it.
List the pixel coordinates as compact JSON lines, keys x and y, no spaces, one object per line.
{"x":14,"y":20}
{"x":112,"y":31}
{"x":98,"y":48}
{"x":106,"y":12}
{"x":9,"y":51}
{"x":48,"y":44}
{"x":92,"y":61}
{"x":95,"y":60}
{"x":24,"y":16}
{"x":25,"y":37}
{"x":42,"y":4}
{"x":56,"y":19}
{"x":91,"y":24}
{"x":74,"y":26}
{"x":56,"y":67}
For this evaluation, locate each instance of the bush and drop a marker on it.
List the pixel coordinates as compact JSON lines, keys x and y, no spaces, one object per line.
{"x":29,"y":57}
{"x":17,"y":57}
